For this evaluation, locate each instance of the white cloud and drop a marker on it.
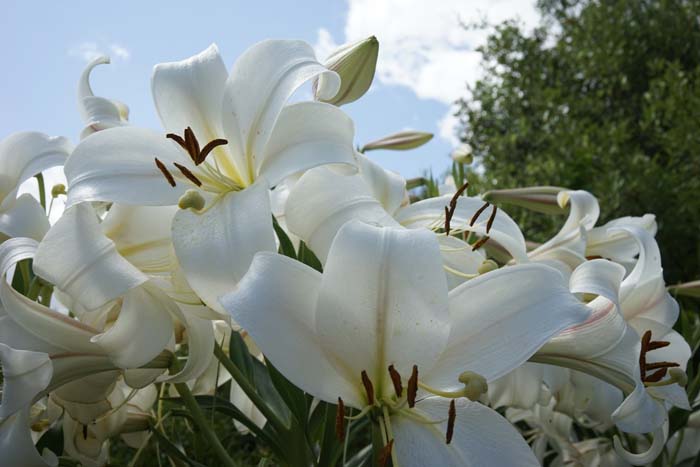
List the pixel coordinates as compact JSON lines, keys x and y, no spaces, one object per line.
{"x":89,"y":50}
{"x":422,"y":44}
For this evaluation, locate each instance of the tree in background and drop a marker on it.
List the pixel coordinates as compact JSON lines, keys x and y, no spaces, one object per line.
{"x":602,"y":96}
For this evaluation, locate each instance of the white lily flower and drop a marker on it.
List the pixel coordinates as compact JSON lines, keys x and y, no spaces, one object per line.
{"x":23,"y":155}
{"x":381,"y":312}
{"x":80,"y":260}
{"x":226,"y":215}
{"x":322,"y":201}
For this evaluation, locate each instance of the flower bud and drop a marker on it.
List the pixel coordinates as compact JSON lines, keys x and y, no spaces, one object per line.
{"x":355,"y":63}
{"x":57,"y":190}
{"x":192,"y":199}
{"x":688,"y":289}
{"x":463,"y":154}
{"x":536,"y":198}
{"x":399,"y":141}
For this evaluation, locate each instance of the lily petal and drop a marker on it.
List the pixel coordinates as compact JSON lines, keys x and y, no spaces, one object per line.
{"x":389,"y":188}
{"x":25,"y":374}
{"x":260,"y":83}
{"x":24,"y":218}
{"x":306,"y":135}
{"x":17,"y":445}
{"x":501,"y":318}
{"x":383,"y":300}
{"x":25,"y":154}
{"x":142,"y":330}
{"x":118,"y":165}
{"x":283,"y":291}
{"x":215,"y":248}
{"x":322,"y":201}
{"x":481,"y":437}
{"x":77,"y":258}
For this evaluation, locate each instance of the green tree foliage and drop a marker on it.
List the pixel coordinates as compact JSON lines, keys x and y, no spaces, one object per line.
{"x":602,"y":96}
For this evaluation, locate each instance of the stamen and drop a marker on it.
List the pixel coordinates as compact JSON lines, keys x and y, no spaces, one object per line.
{"x":451,"y":417}
{"x":340,"y":421}
{"x":209,"y":147}
{"x":192,"y":143}
{"x":661,"y":367}
{"x":491,"y":218}
{"x":369,"y":388}
{"x":178,"y":139}
{"x":168,"y":176}
{"x":186,"y":172}
{"x":85,"y":431}
{"x":654,"y":366}
{"x":448,"y":217}
{"x":657,"y":345}
{"x":385,"y":454}
{"x":478,"y":213}
{"x":412,"y":388}
{"x":480,"y":243}
{"x":396,"y":380}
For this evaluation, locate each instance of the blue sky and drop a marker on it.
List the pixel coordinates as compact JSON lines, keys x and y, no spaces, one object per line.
{"x":425,"y":59}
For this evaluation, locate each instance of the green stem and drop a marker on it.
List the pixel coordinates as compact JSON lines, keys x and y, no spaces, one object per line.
{"x":677,"y":449}
{"x":203,"y":425}
{"x":42,"y":189}
{"x":249,"y":389}
{"x":34,"y":288}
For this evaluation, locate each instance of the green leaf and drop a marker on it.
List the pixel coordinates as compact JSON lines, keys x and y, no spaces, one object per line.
{"x":267,"y":391}
{"x":308,"y":257}
{"x":294,"y":397}
{"x":173,"y":451}
{"x":286,"y":246}
{"x":240,"y":355}
{"x":331,"y":447}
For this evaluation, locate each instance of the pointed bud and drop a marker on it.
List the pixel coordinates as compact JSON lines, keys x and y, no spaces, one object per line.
{"x":688,"y":289}
{"x":192,"y":199}
{"x":537,"y":198}
{"x":463,"y":154}
{"x":57,"y":190}
{"x":399,"y":141}
{"x":355,"y":63}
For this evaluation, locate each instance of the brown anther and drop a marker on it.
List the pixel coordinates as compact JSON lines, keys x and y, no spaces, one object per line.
{"x":369,"y":388}
{"x":178,"y":139}
{"x":656,"y":376}
{"x":340,"y":421}
{"x":451,"y":417}
{"x":192,"y":143}
{"x":657,"y":345}
{"x":209,"y":147}
{"x":385,"y":454}
{"x":412,"y":388}
{"x":85,"y":431}
{"x":478,"y":213}
{"x":186,"y":172}
{"x":480,"y":243}
{"x":396,"y":380}
{"x":168,"y":176}
{"x":589,"y":258}
{"x":492,"y":217}
{"x":448,"y":217}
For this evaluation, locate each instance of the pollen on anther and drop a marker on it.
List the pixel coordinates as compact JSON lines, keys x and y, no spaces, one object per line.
{"x":369,"y":388}
{"x":480,"y":243}
{"x":451,"y":417}
{"x":492,"y":217}
{"x":187,"y":173}
{"x":396,"y":381}
{"x":385,"y":454}
{"x":340,"y":421}
{"x":412,"y":389}
{"x":168,"y":176}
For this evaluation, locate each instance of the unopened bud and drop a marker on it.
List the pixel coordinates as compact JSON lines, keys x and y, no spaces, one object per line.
{"x":487,"y":266}
{"x":57,"y":190}
{"x":399,"y":141}
{"x":192,"y":199}
{"x":474,"y":385}
{"x":537,"y":198}
{"x":463,"y":154}
{"x":355,"y":63}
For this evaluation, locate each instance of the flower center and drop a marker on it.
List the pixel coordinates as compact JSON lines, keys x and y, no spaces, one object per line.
{"x":660,"y":369}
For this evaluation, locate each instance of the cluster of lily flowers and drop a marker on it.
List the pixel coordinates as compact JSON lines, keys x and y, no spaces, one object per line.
{"x":253,"y":219}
